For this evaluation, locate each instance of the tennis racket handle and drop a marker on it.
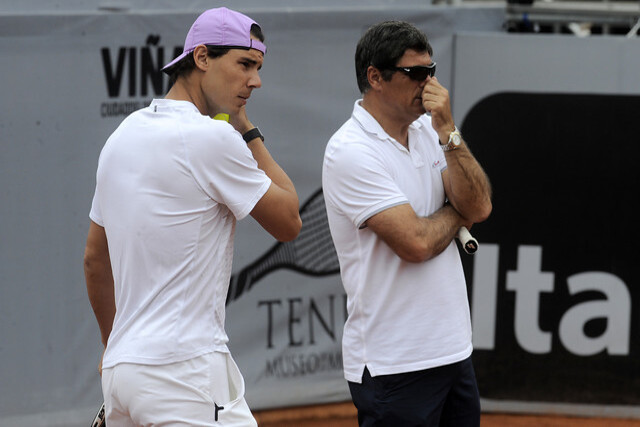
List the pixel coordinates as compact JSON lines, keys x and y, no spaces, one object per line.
{"x":99,"y":420}
{"x":469,"y":243}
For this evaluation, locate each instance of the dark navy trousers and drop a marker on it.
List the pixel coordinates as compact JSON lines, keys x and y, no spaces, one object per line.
{"x":446,"y":396}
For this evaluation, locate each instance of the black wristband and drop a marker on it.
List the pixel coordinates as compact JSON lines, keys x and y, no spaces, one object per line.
{"x":252,"y":134}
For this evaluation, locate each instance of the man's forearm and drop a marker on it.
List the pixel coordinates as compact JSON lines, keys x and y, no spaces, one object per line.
{"x":271,"y":168}
{"x":99,"y":279}
{"x":278,"y":210}
{"x":101,"y":297}
{"x":440,"y":228}
{"x":413,"y":238}
{"x":242,"y":124}
{"x":467,"y":185}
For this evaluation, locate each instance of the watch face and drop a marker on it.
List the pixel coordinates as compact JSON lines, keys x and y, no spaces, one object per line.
{"x":455,"y":138}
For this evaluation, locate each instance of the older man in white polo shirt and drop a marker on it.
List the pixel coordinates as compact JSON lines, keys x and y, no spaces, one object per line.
{"x":398,"y":186}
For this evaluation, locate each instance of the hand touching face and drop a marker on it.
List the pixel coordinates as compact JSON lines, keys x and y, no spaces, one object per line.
{"x":435,"y":100}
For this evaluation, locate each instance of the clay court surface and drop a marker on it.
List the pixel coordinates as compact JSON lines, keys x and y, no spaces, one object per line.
{"x":344,"y":415}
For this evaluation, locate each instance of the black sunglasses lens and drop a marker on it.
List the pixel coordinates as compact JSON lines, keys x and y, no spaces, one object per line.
{"x":420,"y":73}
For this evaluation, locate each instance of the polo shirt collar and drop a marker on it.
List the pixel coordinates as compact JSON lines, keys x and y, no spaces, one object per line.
{"x":370,"y":125}
{"x":164,"y":104}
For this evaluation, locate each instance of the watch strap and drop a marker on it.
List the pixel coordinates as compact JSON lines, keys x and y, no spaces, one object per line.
{"x":252,"y":134}
{"x":450,"y":145}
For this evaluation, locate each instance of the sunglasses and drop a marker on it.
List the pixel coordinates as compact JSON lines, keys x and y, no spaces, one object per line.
{"x":417,"y":72}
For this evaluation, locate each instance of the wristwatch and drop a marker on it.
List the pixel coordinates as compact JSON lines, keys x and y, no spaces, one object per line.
{"x":252,"y":134}
{"x":455,"y":139}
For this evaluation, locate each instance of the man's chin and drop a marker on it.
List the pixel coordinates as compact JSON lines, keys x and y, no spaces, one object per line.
{"x":420,"y":110}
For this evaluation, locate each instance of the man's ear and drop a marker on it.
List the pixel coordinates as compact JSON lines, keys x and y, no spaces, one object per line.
{"x":201,"y":58}
{"x":375,"y":77}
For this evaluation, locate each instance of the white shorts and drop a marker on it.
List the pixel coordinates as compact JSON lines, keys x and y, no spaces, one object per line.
{"x":204,"y":391}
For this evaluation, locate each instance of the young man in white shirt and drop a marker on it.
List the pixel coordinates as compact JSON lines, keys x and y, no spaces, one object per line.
{"x":398,"y":185}
{"x":170,"y":185}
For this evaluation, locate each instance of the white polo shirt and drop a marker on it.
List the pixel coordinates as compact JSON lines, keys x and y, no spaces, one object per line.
{"x":170,"y":185}
{"x":403,"y":316}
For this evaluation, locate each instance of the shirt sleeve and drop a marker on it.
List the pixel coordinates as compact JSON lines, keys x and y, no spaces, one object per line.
{"x":223,"y":166}
{"x":358,"y":183}
{"x":96,"y":214}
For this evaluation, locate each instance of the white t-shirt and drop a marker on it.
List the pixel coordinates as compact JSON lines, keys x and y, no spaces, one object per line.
{"x":170,"y":185}
{"x":403,"y":316}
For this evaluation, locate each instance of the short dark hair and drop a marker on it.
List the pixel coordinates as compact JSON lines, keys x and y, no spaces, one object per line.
{"x":187,"y":64}
{"x":382,"y":46}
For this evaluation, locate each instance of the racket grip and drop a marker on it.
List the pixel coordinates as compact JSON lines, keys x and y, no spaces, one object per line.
{"x":99,"y":420}
{"x":469,"y":243}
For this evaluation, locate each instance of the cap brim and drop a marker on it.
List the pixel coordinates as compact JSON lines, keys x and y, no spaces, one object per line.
{"x":253,"y":44}
{"x":174,"y":62}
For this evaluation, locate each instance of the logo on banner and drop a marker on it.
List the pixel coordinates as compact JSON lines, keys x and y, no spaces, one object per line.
{"x":311,"y":253}
{"x":133,"y":75}
{"x":555,"y":315}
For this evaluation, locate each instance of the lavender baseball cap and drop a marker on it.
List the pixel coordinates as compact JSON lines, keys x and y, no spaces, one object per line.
{"x":220,"y":27}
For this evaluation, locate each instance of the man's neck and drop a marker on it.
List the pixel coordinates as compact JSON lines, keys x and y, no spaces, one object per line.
{"x":395,"y":128}
{"x":181,"y":91}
